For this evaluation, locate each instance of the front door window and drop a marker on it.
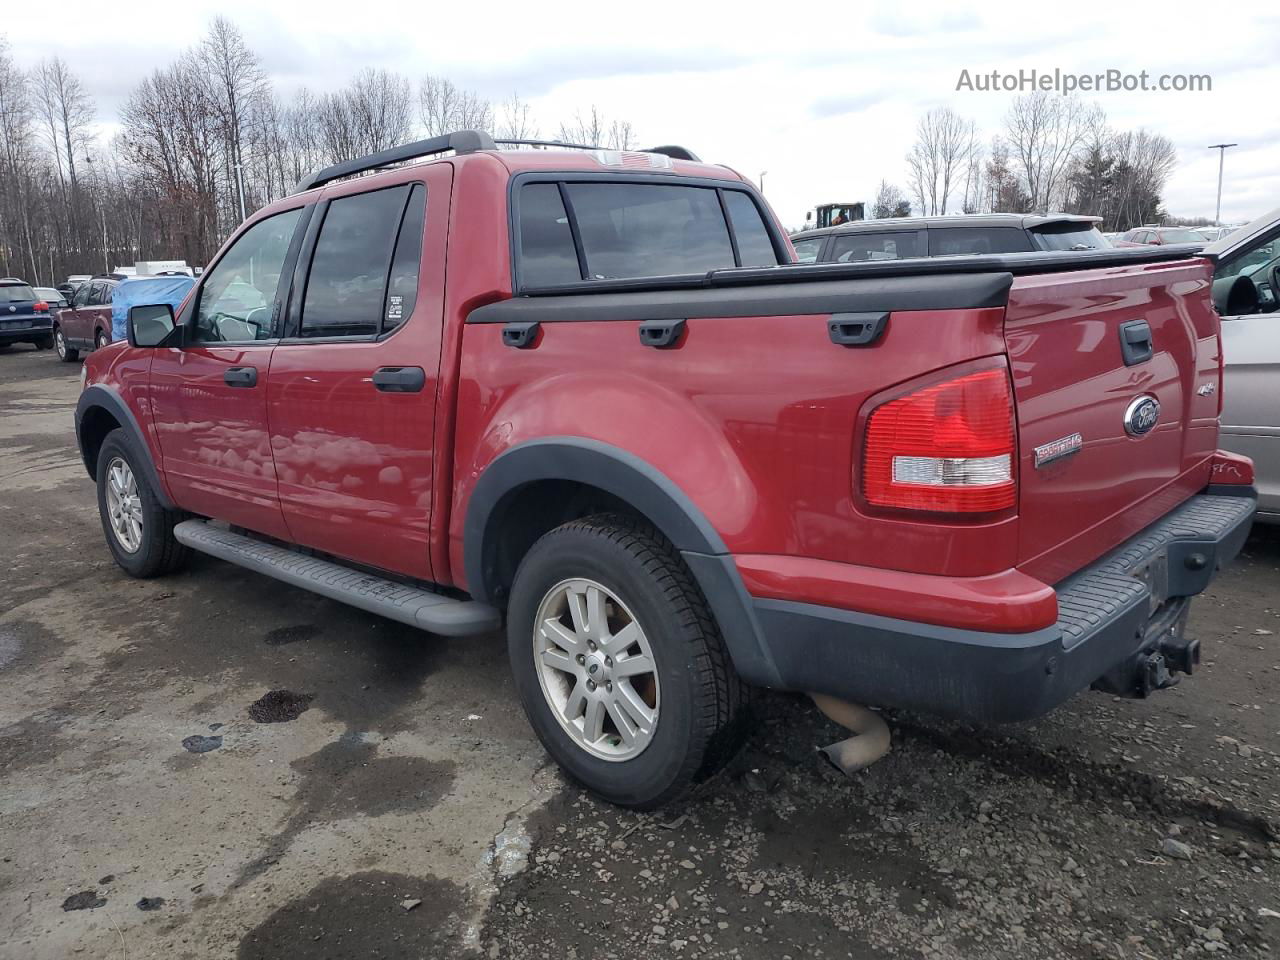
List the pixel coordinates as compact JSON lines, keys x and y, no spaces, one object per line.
{"x":238,"y":297}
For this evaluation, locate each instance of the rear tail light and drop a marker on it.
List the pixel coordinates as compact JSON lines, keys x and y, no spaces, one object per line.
{"x":40,"y":306}
{"x":945,"y":447}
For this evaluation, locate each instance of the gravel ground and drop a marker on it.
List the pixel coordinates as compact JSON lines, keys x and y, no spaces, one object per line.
{"x":214,"y":765}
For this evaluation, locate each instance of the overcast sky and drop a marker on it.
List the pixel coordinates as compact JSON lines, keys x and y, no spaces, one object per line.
{"x":823,"y":97}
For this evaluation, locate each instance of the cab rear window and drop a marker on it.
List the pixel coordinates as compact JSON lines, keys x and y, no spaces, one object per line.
{"x":609,"y":229}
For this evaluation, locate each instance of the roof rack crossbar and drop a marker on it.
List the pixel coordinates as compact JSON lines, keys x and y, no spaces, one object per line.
{"x":461,"y":141}
{"x":560,"y":144}
{"x":668,"y":150}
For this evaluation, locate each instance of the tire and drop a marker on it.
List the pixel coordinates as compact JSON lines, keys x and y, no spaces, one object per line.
{"x":65,"y":353}
{"x":5,"y":346}
{"x":694,"y":698}
{"x":44,"y":343}
{"x":155,"y":551}
{"x":100,"y":339}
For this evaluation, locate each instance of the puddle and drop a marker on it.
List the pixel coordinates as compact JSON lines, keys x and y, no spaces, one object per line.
{"x":199,"y":744}
{"x":84,"y":900}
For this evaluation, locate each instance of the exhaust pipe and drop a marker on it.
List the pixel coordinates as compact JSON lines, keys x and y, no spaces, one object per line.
{"x":870,"y":740}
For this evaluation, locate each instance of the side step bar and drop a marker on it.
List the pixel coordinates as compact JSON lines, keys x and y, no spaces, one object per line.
{"x":411,"y":605}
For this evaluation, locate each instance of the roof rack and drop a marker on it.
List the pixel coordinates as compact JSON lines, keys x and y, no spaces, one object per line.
{"x":462,"y":141}
{"x":668,"y":150}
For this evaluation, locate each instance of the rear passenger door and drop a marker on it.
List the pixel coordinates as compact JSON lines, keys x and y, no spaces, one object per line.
{"x":352,"y":388}
{"x":75,"y":321}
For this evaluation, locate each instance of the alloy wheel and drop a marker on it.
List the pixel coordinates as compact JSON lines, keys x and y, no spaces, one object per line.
{"x":124,"y":505}
{"x":596,"y":669}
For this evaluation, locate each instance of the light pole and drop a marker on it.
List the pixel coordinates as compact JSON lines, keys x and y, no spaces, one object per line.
{"x":240,"y":190}
{"x":1222,"y":152}
{"x":102,"y":210}
{"x":762,"y":173}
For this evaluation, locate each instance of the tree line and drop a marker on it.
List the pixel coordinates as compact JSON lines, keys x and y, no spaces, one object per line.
{"x":1054,"y":153}
{"x":205,"y":141}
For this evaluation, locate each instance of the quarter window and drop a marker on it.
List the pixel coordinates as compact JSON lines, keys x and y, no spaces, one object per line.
{"x":547,"y":255}
{"x":755,"y":249}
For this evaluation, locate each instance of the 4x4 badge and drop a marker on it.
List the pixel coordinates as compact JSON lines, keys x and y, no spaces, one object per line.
{"x":1142,"y":415}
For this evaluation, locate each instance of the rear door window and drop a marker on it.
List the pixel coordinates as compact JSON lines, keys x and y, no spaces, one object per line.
{"x":350,"y":269}
{"x":96,"y":292}
{"x":960,"y":241}
{"x":402,"y":287}
{"x":895,"y":245}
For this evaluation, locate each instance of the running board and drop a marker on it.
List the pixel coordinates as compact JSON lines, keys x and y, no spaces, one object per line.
{"x":397,"y":601}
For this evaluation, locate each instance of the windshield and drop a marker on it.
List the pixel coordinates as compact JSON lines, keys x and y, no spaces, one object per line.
{"x":1069,"y":236}
{"x":16,"y":292}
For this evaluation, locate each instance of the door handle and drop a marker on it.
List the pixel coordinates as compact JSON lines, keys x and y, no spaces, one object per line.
{"x":856,"y":329}
{"x":661,"y":334}
{"x":241,"y":377}
{"x":399,"y":379}
{"x":1136,"y":345}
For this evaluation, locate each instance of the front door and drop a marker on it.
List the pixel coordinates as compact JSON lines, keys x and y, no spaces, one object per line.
{"x":352,"y":391}
{"x":77,"y":322}
{"x":209,"y":397}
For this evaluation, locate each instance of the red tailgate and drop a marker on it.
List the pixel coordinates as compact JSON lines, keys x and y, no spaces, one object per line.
{"x":1067,"y":334}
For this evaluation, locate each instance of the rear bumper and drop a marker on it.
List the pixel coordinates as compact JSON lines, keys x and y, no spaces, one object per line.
{"x":31,"y":329}
{"x":1125,"y":605}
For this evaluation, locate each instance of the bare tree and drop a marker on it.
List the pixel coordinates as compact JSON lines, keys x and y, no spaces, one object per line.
{"x":1003,"y":192}
{"x":237,"y":86}
{"x":941,"y":152}
{"x":889,"y":202}
{"x":67,"y":113}
{"x":596,"y":130}
{"x":1045,"y":133}
{"x":373,"y":113}
{"x":516,"y":122}
{"x":16,"y":161}
{"x":444,"y":107}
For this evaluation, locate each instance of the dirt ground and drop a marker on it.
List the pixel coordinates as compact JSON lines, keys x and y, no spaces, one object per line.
{"x":352,"y":788}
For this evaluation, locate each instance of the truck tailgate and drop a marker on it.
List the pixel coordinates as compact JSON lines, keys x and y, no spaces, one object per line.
{"x":1087,"y":349}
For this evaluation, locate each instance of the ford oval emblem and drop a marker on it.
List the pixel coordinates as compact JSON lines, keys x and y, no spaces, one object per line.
{"x":1142,"y":415}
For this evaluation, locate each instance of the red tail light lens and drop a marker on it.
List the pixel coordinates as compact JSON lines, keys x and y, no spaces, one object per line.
{"x":40,"y":307}
{"x":946,"y":447}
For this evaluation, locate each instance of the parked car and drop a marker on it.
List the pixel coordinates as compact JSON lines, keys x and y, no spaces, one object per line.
{"x":903,"y":237}
{"x":86,"y":324}
{"x":617,"y":419}
{"x":1246,"y":292}
{"x":24,"y":317}
{"x":1212,"y":234}
{"x":1158,"y":236}
{"x":54,"y":298}
{"x":171,"y":288}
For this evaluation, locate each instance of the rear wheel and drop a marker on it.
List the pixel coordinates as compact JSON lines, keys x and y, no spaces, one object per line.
{"x":139,"y":530}
{"x":65,"y":353}
{"x":45,"y":343}
{"x":619,"y":665}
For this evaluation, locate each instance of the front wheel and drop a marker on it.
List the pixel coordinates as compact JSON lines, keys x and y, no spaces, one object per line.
{"x":65,"y":353}
{"x":139,"y":530}
{"x":100,"y":339}
{"x":619,"y":665}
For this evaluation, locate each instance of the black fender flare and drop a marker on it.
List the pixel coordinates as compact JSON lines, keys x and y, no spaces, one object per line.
{"x":103,"y":397}
{"x":652,"y":494}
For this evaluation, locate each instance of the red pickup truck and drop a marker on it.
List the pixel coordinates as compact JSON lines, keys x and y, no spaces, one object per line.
{"x":590,"y":395}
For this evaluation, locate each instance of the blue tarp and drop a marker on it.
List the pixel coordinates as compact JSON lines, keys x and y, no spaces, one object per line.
{"x":145,"y":290}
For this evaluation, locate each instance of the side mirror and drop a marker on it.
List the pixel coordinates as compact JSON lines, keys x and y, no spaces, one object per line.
{"x":150,"y":324}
